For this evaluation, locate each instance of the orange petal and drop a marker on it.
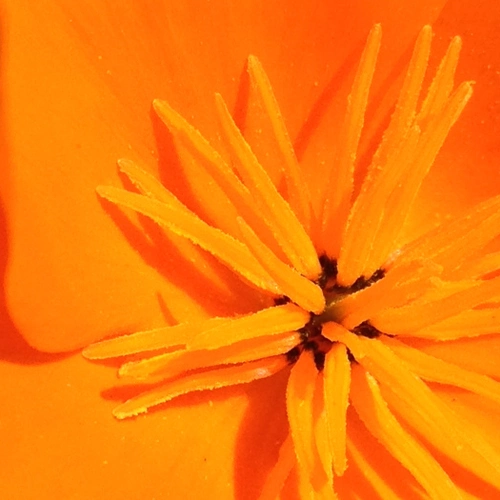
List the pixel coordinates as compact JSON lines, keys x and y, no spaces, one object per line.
{"x":102,"y":113}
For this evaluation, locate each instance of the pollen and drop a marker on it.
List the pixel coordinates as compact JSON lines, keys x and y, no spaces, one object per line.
{"x":347,"y":300}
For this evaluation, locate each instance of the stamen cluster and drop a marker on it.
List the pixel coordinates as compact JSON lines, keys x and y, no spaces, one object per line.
{"x":336,"y":273}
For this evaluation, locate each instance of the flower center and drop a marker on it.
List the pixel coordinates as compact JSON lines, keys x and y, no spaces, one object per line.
{"x":311,"y":334}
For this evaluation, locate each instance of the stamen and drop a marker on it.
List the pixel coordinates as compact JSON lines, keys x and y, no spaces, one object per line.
{"x":181,"y":221}
{"x":437,"y":370}
{"x":359,"y":456}
{"x":300,"y":410}
{"x":168,"y":337}
{"x":442,"y":85}
{"x":322,"y":430}
{"x":396,"y":149}
{"x":213,"y":379}
{"x":400,"y":286}
{"x":360,"y":239}
{"x":337,"y":203}
{"x":373,"y":411}
{"x":453,"y":244}
{"x":478,"y":267}
{"x":333,"y":315}
{"x":146,"y":183}
{"x":281,"y":152}
{"x":401,"y":200}
{"x":285,"y":226}
{"x":271,"y":321}
{"x":174,"y":364}
{"x":337,"y":373}
{"x":478,"y":354}
{"x":408,"y":320}
{"x":456,"y":438}
{"x":406,"y":106}
{"x":466,"y":324}
{"x":420,"y":407}
{"x":209,"y":159}
{"x":298,"y":288}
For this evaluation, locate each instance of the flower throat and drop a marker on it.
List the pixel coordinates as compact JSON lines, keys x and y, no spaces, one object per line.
{"x":311,"y":338}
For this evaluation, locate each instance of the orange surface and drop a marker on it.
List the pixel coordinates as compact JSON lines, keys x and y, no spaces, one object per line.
{"x":78,"y":79}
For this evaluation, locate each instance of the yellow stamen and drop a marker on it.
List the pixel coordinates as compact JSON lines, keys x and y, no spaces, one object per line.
{"x":359,"y":242}
{"x":322,"y":430}
{"x":408,"y":320}
{"x":453,"y":244}
{"x":442,"y":85}
{"x":452,"y":436}
{"x":208,"y":158}
{"x":181,"y":221}
{"x":468,"y":323}
{"x":420,"y":407}
{"x":406,"y":107}
{"x":282,"y":152}
{"x":401,"y":285}
{"x":478,"y":267}
{"x":261,"y":230}
{"x":337,"y":203}
{"x":173,"y":364}
{"x":150,"y":340}
{"x":271,"y":321}
{"x":213,"y":379}
{"x":466,"y":352}
{"x":399,"y":204}
{"x":300,"y":409}
{"x":284,"y":224}
{"x":397,"y":148}
{"x":337,"y":373}
{"x":359,"y":456}
{"x":298,"y":288}
{"x":436,"y":370}
{"x":373,"y":411}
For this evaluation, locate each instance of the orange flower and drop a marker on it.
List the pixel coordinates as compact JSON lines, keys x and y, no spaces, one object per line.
{"x":98,"y":284}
